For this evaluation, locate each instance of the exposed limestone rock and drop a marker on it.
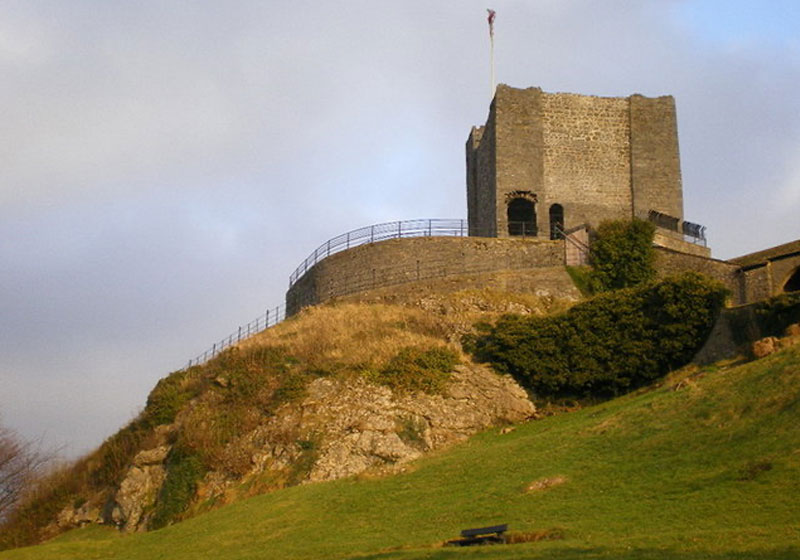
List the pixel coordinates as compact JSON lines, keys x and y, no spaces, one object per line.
{"x":139,"y":488}
{"x":793,"y":330}
{"x":344,"y":425}
{"x":765,"y":346}
{"x":352,"y":425}
{"x":70,"y":516}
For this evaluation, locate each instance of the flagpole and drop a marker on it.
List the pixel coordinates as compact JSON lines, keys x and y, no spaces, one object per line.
{"x":490,"y":19}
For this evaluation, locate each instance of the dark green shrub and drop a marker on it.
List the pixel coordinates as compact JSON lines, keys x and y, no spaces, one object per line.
{"x":622,"y":255}
{"x":607,"y":345}
{"x":413,"y":369}
{"x":582,"y":278}
{"x":184,"y":470}
{"x":775,"y":314}
{"x":167,"y":398}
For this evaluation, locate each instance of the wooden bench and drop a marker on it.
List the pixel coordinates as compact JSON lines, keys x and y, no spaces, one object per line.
{"x":481,"y":535}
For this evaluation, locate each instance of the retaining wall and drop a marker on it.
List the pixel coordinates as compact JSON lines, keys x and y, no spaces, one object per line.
{"x":399,"y":261}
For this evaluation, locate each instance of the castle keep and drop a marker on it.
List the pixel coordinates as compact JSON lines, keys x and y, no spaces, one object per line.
{"x":542,"y":173}
{"x":547,"y":162}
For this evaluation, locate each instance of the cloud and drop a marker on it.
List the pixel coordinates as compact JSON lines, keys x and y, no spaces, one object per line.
{"x":165,"y":166}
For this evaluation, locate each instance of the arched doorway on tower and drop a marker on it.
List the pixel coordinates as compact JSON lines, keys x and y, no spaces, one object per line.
{"x":521,"y":216}
{"x":556,"y":221}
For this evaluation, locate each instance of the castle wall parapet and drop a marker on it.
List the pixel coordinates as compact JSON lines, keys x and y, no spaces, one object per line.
{"x":400,"y":261}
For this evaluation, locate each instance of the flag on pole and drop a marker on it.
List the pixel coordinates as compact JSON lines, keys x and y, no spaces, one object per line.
{"x":490,"y":19}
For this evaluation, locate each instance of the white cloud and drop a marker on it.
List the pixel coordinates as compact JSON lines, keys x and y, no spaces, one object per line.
{"x":164,"y":166}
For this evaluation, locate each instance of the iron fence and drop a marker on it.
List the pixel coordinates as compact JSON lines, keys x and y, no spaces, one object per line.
{"x":367,"y":279}
{"x":269,"y":319}
{"x":433,"y":227}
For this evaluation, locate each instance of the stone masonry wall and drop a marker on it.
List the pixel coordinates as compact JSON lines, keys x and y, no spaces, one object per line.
{"x":519,"y":151}
{"x":675,"y":241}
{"x":782,"y":269}
{"x":670,"y":262}
{"x":481,"y":185}
{"x":600,"y":158}
{"x":655,"y":161}
{"x":400,"y":261}
{"x":586,"y":158}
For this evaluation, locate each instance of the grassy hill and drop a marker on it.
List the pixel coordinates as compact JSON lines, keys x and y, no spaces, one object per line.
{"x":704,"y":465}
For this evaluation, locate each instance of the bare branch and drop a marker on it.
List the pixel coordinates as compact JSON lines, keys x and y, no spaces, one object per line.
{"x":20,"y":464}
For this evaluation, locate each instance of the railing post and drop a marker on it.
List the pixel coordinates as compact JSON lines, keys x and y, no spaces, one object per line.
{"x":214,"y":350}
{"x":240,"y":334}
{"x":462,"y":228}
{"x":399,"y":230}
{"x":266,"y":323}
{"x":372,"y":234}
{"x":430,"y":228}
{"x":329,"y":249}
{"x":348,"y":240}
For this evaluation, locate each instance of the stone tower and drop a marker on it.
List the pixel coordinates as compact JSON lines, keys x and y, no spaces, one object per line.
{"x":556,"y":159}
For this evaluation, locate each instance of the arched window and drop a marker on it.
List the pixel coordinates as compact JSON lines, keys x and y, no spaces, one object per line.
{"x":793,"y":283}
{"x":521,"y":217}
{"x":556,"y":221}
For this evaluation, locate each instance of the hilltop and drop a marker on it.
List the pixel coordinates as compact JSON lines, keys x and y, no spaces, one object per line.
{"x":703,"y":464}
{"x":335,"y":391}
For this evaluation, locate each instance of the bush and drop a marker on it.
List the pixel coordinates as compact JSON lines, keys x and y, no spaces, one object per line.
{"x":622,"y":255}
{"x":777,"y":313}
{"x":608,"y":345}
{"x":414,"y":369}
{"x":184,"y":470}
{"x":167,"y":398}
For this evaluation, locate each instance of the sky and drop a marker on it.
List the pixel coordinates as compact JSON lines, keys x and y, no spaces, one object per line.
{"x":165,"y":165}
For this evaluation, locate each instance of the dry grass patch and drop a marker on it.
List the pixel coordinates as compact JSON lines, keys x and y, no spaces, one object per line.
{"x":347,"y":335}
{"x":553,"y":534}
{"x":545,"y":483}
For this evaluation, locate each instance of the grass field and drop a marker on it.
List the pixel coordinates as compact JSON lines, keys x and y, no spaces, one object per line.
{"x":707,"y":465}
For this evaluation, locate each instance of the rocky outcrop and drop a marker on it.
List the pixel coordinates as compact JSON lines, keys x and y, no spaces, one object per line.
{"x":343,"y":426}
{"x":768,"y":345}
{"x":138,"y":491}
{"x":349,"y":425}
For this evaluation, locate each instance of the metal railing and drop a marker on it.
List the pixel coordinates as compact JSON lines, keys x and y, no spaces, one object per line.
{"x":695,"y":232}
{"x":269,"y":319}
{"x":434,"y":227}
{"x":523,"y":229}
{"x":366,"y":279}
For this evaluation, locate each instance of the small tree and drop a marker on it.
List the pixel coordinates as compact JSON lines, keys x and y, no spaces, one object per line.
{"x":20,"y":464}
{"x":622,"y":255}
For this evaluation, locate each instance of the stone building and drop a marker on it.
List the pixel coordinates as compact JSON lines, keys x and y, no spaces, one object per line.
{"x":545,"y":163}
{"x":542,"y":173}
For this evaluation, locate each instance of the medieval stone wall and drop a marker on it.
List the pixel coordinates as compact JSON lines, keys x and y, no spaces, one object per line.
{"x":399,"y":261}
{"x":600,"y":158}
{"x":481,"y":179}
{"x":673,"y":240}
{"x":669,"y":262}
{"x":655,"y":161}
{"x":586,"y":158}
{"x":519,"y":150}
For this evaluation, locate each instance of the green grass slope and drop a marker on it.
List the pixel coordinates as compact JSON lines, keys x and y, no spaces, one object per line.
{"x":706,"y":465}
